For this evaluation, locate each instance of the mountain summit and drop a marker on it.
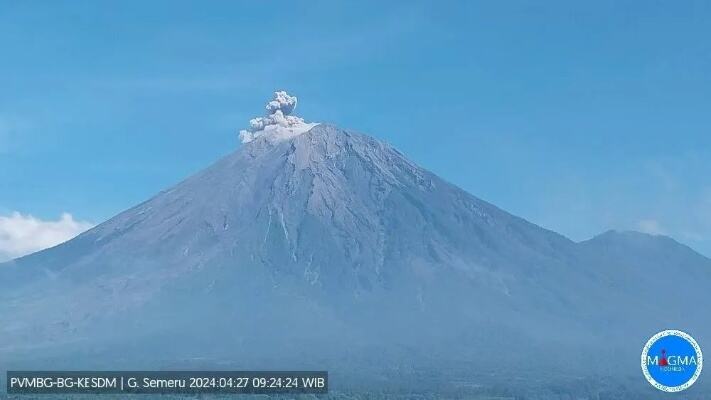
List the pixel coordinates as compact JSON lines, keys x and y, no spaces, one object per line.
{"x":329,"y":249}
{"x":279,"y":123}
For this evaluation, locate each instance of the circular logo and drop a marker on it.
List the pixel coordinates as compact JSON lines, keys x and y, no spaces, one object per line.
{"x":671,"y":361}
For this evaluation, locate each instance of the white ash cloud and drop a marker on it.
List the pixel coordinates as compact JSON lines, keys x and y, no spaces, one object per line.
{"x":651,"y":226}
{"x":278,"y":115}
{"x":282,"y":102}
{"x":24,"y":234}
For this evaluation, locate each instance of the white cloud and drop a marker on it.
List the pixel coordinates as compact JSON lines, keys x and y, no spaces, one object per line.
{"x":650,"y":226}
{"x":24,"y":234}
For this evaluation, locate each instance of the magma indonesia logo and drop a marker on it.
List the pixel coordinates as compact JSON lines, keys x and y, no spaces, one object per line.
{"x":672,"y":361}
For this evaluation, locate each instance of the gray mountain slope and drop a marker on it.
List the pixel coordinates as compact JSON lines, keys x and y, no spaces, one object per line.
{"x":332,"y":250}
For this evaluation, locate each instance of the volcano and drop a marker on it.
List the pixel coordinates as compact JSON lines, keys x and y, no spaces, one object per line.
{"x":316,"y":247}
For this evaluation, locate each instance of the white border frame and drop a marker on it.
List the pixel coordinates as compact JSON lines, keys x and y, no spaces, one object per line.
{"x":699,"y":360}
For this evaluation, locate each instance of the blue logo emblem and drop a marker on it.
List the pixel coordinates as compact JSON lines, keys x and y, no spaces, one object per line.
{"x":672,"y":361}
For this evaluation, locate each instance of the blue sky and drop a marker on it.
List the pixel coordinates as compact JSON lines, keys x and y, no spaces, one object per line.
{"x":579,"y":116}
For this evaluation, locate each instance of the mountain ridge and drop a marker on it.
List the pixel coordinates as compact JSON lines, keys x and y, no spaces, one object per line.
{"x":335,"y":241}
{"x":266,"y":140}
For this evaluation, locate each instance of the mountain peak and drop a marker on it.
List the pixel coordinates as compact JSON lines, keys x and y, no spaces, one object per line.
{"x":339,"y":237}
{"x":278,"y":122}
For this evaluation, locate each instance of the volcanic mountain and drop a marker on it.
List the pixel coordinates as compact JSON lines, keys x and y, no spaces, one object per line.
{"x":316,"y":247}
